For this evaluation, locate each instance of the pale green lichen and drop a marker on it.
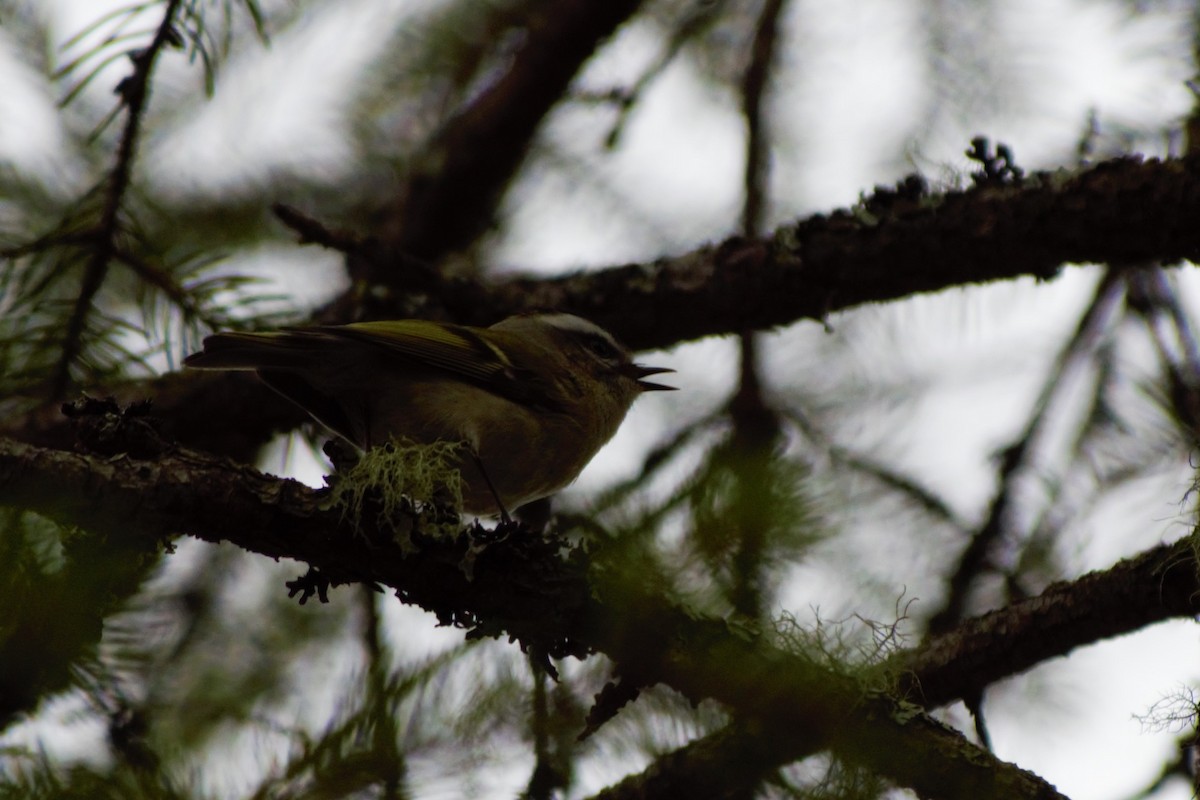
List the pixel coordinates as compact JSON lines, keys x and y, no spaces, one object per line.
{"x":411,"y":487}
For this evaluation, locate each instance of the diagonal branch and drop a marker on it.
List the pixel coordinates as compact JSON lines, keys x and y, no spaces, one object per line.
{"x":1021,"y":456}
{"x":473,"y":160}
{"x":1158,"y":584}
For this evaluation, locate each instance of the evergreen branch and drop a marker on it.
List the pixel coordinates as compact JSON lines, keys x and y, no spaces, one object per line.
{"x":655,"y":461}
{"x":325,"y":766}
{"x":163,"y":281}
{"x":1122,"y":210}
{"x":54,"y":618}
{"x":897,"y":243}
{"x":57,"y":238}
{"x":98,"y":68}
{"x":134,"y":91}
{"x":256,"y":16}
{"x":384,"y":739}
{"x":1151,"y":296}
{"x":1158,"y":584}
{"x":1185,"y":333}
{"x":522,"y":587}
{"x":899,"y":482}
{"x":130,"y":13}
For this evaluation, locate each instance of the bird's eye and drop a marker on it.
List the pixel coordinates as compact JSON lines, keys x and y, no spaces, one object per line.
{"x":601,"y":347}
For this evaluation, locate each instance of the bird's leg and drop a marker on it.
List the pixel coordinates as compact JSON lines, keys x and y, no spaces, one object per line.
{"x":505,"y":519}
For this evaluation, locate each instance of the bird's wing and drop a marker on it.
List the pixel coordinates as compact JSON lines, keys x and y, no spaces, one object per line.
{"x":455,"y":349}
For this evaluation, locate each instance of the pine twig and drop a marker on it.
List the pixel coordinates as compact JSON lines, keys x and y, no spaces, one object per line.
{"x":134,"y":91}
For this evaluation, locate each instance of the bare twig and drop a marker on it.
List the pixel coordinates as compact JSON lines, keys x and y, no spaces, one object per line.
{"x":696,"y":19}
{"x":313,"y":231}
{"x":1021,"y":455}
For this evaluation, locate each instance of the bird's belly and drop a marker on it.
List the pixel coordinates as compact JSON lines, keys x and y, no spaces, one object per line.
{"x":527,"y":453}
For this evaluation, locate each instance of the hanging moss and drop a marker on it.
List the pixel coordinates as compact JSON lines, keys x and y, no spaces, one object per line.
{"x":412,"y":488}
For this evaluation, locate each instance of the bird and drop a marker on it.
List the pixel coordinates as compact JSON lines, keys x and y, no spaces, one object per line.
{"x":532,"y":398}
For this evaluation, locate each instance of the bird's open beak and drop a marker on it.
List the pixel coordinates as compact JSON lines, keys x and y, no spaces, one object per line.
{"x":637,"y":372}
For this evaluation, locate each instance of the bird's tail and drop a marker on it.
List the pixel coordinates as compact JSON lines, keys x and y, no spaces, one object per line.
{"x":286,"y":350}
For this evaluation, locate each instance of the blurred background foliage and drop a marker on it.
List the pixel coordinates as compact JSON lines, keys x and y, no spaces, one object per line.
{"x":835,"y":475}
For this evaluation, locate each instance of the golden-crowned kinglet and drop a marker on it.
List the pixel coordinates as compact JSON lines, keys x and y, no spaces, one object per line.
{"x":534,"y":396}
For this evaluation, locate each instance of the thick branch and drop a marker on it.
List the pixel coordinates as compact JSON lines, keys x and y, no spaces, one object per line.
{"x":522,"y":587}
{"x":1122,"y":211}
{"x":1158,"y":584}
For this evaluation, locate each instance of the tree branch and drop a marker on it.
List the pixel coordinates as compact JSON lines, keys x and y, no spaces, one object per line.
{"x":473,"y":160}
{"x":901,"y":242}
{"x":523,"y":587}
{"x":1121,"y":211}
{"x":1021,"y":457}
{"x":1158,"y":584}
